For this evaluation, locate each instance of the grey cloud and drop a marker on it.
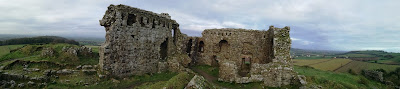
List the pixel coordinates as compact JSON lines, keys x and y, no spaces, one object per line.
{"x":316,"y":24}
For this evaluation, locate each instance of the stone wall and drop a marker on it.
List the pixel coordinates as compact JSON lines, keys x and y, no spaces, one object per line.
{"x":137,"y":40}
{"x":266,"y":54}
{"x":233,"y":45}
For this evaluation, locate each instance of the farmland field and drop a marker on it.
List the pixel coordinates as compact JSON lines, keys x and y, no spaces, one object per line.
{"x":94,"y":48}
{"x":332,"y":64}
{"x":322,"y":64}
{"x":302,"y":62}
{"x":342,"y":65}
{"x":357,"y":66}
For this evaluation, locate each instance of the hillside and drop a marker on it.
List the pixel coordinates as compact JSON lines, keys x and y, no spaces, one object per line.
{"x":12,"y":36}
{"x":312,"y":54}
{"x":38,"y":40}
{"x":80,"y":71}
{"x":389,"y":72}
{"x":373,"y":56}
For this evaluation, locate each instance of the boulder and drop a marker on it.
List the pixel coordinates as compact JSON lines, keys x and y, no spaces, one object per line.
{"x":199,"y":82}
{"x":65,"y":71}
{"x":47,"y":52}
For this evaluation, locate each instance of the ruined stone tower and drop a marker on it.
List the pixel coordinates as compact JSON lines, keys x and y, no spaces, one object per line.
{"x":139,"y":42}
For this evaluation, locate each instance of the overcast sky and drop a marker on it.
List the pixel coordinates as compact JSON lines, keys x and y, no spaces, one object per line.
{"x":315,"y":24}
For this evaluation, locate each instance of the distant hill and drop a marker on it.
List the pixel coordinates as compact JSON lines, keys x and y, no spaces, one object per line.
{"x":12,"y":36}
{"x":313,"y":54}
{"x":376,"y":56}
{"x":96,"y":41}
{"x":39,"y":39}
{"x":88,"y":40}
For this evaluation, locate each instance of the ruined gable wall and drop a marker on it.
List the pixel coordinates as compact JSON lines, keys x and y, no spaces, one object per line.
{"x":240,"y":42}
{"x":277,"y":71}
{"x":134,"y":40}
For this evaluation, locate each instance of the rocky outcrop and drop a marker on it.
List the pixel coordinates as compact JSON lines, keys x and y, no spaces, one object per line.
{"x":47,"y":52}
{"x":375,"y":75}
{"x":85,"y":51}
{"x":199,"y":82}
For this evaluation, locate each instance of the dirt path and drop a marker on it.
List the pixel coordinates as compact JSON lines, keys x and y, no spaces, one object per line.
{"x":342,"y":66}
{"x":205,"y":75}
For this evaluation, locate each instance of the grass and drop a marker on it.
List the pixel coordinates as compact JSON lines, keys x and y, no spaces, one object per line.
{"x":336,"y":80}
{"x":109,"y":83}
{"x":177,"y":82}
{"x":311,"y":57}
{"x":302,"y":62}
{"x":60,"y":57}
{"x":253,"y":85}
{"x":357,"y":66}
{"x":5,"y":49}
{"x":331,"y":65}
{"x":94,"y":48}
{"x":213,"y":71}
{"x":358,"y":55}
{"x":13,"y":55}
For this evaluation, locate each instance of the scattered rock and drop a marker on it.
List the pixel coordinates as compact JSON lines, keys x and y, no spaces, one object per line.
{"x":89,"y":71}
{"x":114,"y":80}
{"x":101,"y":76}
{"x":31,"y":69}
{"x":30,"y":83}
{"x":85,"y":51}
{"x":198,"y":82}
{"x":375,"y":75}
{"x":79,"y":67}
{"x":47,"y":52}
{"x":302,"y":79}
{"x":21,"y":85}
{"x":64,"y":71}
{"x":87,"y":67}
{"x":43,"y":84}
{"x":49,"y":72}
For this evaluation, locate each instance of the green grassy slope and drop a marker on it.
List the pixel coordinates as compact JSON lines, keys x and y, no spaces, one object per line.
{"x":332,"y":80}
{"x":357,"y":66}
{"x":5,"y":49}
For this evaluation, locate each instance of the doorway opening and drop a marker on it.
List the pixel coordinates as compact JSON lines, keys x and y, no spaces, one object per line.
{"x":164,"y":49}
{"x":201,"y":47}
{"x":189,"y":47}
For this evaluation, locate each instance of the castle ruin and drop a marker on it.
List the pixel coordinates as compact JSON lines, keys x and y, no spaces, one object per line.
{"x":140,"y":42}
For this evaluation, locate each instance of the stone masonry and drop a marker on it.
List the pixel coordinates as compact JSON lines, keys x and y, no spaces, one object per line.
{"x":140,"y":42}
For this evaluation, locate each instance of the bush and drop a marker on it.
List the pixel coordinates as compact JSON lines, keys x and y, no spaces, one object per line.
{"x":363,"y":80}
{"x":352,"y":72}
